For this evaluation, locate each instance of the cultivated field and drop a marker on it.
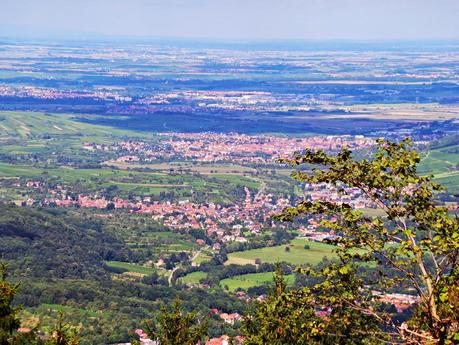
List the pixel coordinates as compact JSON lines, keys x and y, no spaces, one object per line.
{"x":20,"y":124}
{"x":192,"y":167}
{"x":247,"y":281}
{"x":297,"y":255}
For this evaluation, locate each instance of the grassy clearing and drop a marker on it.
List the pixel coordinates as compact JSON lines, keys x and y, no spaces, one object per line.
{"x":202,"y":257}
{"x":162,"y":241}
{"x":297,"y":255}
{"x":131,"y":267}
{"x":247,"y":281}
{"x":193,"y":278}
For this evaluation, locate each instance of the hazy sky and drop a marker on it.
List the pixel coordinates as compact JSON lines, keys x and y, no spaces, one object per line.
{"x":233,"y":19}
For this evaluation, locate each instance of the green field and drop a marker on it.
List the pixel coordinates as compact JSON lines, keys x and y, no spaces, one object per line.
{"x":442,"y":162}
{"x":296,"y":256}
{"x":90,"y":177}
{"x":226,"y":173}
{"x":138,"y":183}
{"x":21,"y":124}
{"x":247,"y":281}
{"x":131,"y":267}
{"x":159,"y":241}
{"x":202,"y":257}
{"x":449,"y":180}
{"x":193,"y":278}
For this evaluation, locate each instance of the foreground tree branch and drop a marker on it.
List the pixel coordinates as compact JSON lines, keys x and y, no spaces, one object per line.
{"x":413,"y":247}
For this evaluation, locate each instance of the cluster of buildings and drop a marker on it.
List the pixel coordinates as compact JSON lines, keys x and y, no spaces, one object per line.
{"x":227,"y":318}
{"x":220,"y":147}
{"x":223,"y":340}
{"x":400,"y":301}
{"x":229,"y":100}
{"x":297,"y":81}
{"x":54,"y":94}
{"x":144,"y":338}
{"x":230,"y":223}
{"x":351,"y":196}
{"x":224,"y":223}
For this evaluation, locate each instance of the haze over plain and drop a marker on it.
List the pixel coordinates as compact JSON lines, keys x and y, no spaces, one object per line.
{"x":233,"y":19}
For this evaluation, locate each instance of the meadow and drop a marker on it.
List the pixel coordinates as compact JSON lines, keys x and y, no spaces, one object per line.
{"x":296,"y":255}
{"x":193,"y":278}
{"x":246,"y":281}
{"x":143,"y":270}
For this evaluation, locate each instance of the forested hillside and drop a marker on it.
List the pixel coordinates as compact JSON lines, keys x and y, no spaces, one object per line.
{"x":59,"y":260}
{"x":40,"y":244}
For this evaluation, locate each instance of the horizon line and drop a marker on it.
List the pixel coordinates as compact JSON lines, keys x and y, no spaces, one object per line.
{"x":102,"y":38}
